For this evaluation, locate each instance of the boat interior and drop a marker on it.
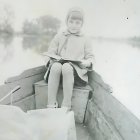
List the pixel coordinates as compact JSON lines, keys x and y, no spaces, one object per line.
{"x":98,"y":114}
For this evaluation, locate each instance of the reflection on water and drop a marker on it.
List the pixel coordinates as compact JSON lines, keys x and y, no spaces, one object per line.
{"x":5,"y":42}
{"x":15,"y":58}
{"x":117,"y":62}
{"x":36,"y":43}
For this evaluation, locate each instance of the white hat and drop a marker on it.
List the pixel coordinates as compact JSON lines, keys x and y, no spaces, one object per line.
{"x":75,"y":10}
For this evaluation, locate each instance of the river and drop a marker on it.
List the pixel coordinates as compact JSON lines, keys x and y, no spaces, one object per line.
{"x":117,"y":62}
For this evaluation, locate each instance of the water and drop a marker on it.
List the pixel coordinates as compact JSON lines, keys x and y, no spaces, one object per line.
{"x":15,"y":58}
{"x":117,"y":63}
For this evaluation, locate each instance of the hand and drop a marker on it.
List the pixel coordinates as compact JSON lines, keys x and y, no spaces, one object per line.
{"x":84,"y":64}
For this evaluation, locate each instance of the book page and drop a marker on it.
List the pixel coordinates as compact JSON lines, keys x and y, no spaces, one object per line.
{"x":57,"y":57}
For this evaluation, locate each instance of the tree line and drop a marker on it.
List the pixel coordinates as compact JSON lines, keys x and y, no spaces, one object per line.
{"x":43,"y":25}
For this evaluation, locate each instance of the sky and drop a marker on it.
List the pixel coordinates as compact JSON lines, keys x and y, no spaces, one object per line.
{"x":110,"y":18}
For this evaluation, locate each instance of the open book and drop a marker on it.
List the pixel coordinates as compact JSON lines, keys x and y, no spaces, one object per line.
{"x":59,"y":58}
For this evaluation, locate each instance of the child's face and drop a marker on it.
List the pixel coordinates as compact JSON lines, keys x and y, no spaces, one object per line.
{"x":74,"y":25}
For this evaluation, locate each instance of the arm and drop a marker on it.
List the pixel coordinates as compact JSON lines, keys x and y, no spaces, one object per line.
{"x":89,"y":57}
{"x":53,"y":47}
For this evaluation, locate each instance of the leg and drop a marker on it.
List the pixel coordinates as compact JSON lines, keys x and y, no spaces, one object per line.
{"x":53,"y":83}
{"x":68,"y":82}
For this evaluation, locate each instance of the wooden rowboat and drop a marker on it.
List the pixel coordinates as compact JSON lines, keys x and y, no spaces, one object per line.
{"x":105,"y":118}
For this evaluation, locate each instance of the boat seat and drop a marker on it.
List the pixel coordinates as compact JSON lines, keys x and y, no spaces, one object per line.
{"x":80,"y":98}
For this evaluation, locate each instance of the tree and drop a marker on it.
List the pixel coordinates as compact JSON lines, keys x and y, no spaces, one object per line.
{"x":43,"y":25}
{"x":6,"y":19}
{"x":40,"y":32}
{"x":48,"y":24}
{"x":31,"y":27}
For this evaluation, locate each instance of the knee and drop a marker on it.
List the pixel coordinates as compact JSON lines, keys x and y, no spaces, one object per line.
{"x":67,"y":69}
{"x":56,"y":68}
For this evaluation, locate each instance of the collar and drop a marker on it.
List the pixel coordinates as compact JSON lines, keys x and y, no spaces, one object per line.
{"x":67,"y":33}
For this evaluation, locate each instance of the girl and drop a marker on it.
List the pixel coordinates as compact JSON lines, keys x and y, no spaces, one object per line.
{"x":73,"y":45}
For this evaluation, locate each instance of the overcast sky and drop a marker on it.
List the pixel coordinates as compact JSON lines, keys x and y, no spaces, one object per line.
{"x":113,"y":18}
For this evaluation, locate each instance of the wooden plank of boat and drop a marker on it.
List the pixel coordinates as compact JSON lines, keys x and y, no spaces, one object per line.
{"x":25,"y":80}
{"x":106,"y":117}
